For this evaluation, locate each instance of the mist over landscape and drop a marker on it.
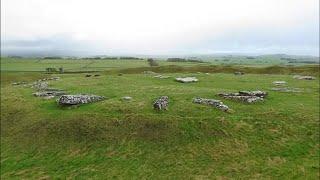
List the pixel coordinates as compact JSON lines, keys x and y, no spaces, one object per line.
{"x":82,"y":28}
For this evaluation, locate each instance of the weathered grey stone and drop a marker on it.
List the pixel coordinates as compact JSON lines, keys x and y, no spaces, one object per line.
{"x":238,"y":73}
{"x":49,"y":79}
{"x":149,"y":72}
{"x":304,"y":77}
{"x":40,"y":85}
{"x":187,"y":79}
{"x":161,"y":103}
{"x":19,"y":83}
{"x":126,"y":98}
{"x":211,"y":102}
{"x":49,"y":93}
{"x":79,"y":99}
{"x":161,"y":77}
{"x":261,"y":94}
{"x":287,"y":89}
{"x":245,"y":96}
{"x":279,"y":83}
{"x":48,"y":97}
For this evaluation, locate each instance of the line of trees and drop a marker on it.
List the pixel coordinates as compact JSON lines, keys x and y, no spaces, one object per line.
{"x":183,"y":60}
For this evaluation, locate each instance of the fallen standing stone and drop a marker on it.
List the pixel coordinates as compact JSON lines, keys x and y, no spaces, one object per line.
{"x":286,"y":89}
{"x":161,"y":103}
{"x":304,"y":77}
{"x":161,"y":77}
{"x":19,"y":83}
{"x":49,"y":79}
{"x":279,"y":83}
{"x":126,"y":98}
{"x":49,"y":94}
{"x":261,"y":94}
{"x":79,"y":99}
{"x":187,"y":79}
{"x":211,"y":102}
{"x":245,"y":96}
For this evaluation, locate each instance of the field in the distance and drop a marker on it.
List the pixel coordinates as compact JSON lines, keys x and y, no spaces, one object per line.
{"x":113,"y":139}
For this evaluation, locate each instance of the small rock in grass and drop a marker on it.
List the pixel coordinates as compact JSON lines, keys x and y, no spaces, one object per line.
{"x":161,"y":77}
{"x":238,"y":73}
{"x":149,"y":72}
{"x":88,"y":75}
{"x":161,"y":103}
{"x":279,"y":83}
{"x":126,"y":98}
{"x":48,"y":97}
{"x":286,"y":89}
{"x":96,"y":75}
{"x":19,"y":83}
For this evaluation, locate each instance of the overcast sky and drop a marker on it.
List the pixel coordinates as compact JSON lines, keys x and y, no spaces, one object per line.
{"x":161,"y":27}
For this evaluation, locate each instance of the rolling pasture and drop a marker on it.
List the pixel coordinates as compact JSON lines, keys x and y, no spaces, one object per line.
{"x":116,"y":139}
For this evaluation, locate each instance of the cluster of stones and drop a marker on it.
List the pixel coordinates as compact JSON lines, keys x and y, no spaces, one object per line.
{"x":304,"y":77}
{"x":211,"y":102}
{"x":49,"y":93}
{"x":44,"y":91}
{"x":282,"y":88}
{"x":187,"y":79}
{"x":161,"y":103}
{"x":67,"y":100}
{"x":40,"y":85}
{"x":245,"y":96}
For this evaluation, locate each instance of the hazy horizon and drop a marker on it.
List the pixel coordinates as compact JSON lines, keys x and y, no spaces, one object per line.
{"x":83,"y":27}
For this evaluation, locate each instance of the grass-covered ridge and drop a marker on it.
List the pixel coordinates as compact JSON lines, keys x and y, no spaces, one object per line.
{"x":275,"y":139}
{"x":309,"y":70}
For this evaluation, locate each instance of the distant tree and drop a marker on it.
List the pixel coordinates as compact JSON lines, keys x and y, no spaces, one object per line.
{"x":61,"y":70}
{"x":152,"y":62}
{"x":49,"y":70}
{"x":52,"y":57}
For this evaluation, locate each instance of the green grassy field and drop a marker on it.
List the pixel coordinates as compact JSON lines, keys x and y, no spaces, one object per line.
{"x":113,"y":139}
{"x":27,"y":65}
